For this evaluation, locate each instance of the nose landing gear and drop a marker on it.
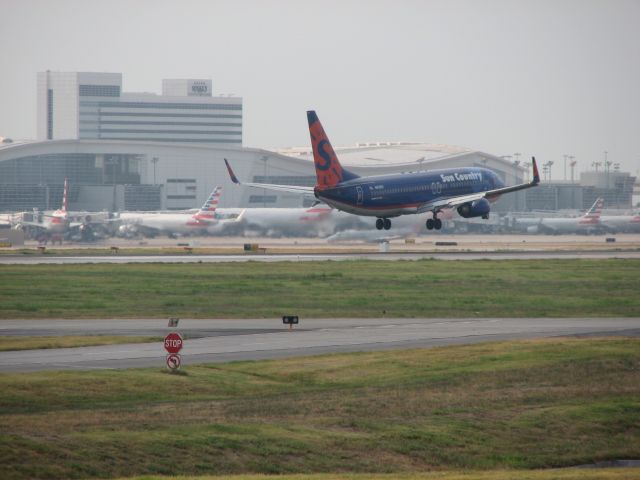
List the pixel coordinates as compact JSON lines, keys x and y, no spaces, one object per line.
{"x":383,"y":223}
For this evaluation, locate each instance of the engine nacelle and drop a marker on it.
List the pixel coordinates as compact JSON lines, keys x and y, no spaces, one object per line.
{"x":478,"y":208}
{"x":127,"y":230}
{"x":533,"y":229}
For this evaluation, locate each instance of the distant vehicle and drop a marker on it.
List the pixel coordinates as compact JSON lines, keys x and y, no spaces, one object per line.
{"x":469,"y":190}
{"x":174,"y":224}
{"x":587,"y":223}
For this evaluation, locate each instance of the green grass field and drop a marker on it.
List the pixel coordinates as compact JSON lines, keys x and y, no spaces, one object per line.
{"x":512,"y":405}
{"x":427,"y":288}
{"x":565,"y":474}
{"x":28,"y":343}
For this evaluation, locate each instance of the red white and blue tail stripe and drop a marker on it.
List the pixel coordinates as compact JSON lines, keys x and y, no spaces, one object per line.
{"x":208,"y":210}
{"x":593,"y":214}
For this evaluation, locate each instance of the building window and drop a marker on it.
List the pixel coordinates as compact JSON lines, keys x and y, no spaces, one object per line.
{"x":49,"y":114}
{"x":181,"y":197}
{"x":262,"y":199}
{"x":99,"y":90}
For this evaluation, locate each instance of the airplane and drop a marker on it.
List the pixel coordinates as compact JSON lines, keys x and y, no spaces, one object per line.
{"x":316,"y":221}
{"x":621,"y":223}
{"x":469,"y":190}
{"x":59,"y":223}
{"x":587,"y":223}
{"x":205,"y":220}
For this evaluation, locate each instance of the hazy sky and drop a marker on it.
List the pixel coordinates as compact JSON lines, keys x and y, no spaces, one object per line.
{"x":536,"y":77}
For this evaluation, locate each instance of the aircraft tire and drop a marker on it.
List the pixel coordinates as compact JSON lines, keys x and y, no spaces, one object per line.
{"x":437,"y":224}
{"x":380,"y":224}
{"x":387,"y":224}
{"x":429,"y":224}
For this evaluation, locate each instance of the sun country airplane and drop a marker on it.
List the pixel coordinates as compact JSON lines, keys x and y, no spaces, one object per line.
{"x":204,"y":220}
{"x":469,"y":190}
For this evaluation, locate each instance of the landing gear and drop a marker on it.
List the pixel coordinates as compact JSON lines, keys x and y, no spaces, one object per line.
{"x":383,"y":223}
{"x":434,"y":223}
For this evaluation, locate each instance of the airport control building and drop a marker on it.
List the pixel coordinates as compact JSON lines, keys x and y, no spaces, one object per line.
{"x":130,"y":151}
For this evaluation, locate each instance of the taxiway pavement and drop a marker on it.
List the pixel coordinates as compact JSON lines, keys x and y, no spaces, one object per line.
{"x":389,"y":256}
{"x":229,"y":340}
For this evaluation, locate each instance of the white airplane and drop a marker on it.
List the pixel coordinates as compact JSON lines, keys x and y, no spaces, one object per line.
{"x":588,"y":223}
{"x":317,"y":221}
{"x":60,"y":223}
{"x":621,"y":223}
{"x":205,"y":220}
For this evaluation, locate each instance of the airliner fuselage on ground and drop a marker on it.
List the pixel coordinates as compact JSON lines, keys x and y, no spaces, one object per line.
{"x":468,"y":190}
{"x":205,"y":220}
{"x":588,"y":223}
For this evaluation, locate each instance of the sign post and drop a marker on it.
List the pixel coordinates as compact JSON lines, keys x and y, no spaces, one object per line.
{"x":173,"y":343}
{"x":290,"y":320}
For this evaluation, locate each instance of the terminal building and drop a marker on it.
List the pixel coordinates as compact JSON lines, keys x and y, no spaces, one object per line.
{"x":118,"y":175}
{"x":132,"y":151}
{"x":83,"y":105}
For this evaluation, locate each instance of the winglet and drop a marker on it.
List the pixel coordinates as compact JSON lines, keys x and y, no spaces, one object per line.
{"x":536,"y":175}
{"x":234,"y":179}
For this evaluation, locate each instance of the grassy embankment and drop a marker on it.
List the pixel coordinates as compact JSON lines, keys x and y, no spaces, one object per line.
{"x":515,"y":405}
{"x":426,"y":288}
{"x":28,"y":343}
{"x":564,"y":474}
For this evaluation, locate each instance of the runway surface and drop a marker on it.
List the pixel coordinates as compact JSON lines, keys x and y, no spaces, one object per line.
{"x":229,"y":340}
{"x":389,"y":256}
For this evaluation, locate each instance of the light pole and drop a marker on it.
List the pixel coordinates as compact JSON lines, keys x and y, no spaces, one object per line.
{"x":548,"y":169}
{"x":516,"y":164}
{"x":264,"y":191}
{"x":113,"y":162}
{"x":572,"y":164}
{"x":565,"y":166}
{"x":154,"y":160}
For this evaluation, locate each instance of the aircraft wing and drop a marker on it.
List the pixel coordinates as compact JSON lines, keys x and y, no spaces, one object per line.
{"x":270,"y":186}
{"x":453,"y":202}
{"x":235,"y":219}
{"x":32,"y":224}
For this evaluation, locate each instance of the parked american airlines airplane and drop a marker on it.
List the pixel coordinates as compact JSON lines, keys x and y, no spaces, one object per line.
{"x":621,"y":223}
{"x":587,"y":223}
{"x":55,"y":225}
{"x":318,"y":221}
{"x":204,"y":220}
{"x":469,"y":190}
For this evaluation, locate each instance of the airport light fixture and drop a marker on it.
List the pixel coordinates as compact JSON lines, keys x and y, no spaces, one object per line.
{"x":572,"y":164}
{"x":517,"y":156}
{"x":154,"y":160}
{"x":607,"y":166}
{"x":547,"y":169}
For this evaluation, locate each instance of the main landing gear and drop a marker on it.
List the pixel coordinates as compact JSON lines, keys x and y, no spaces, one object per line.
{"x":383,"y":223}
{"x":434,"y":222}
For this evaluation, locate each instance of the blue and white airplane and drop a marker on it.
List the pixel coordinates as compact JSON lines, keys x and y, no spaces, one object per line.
{"x":469,"y":190}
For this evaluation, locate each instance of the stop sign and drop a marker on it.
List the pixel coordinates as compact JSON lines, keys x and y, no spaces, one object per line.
{"x":173,"y":342}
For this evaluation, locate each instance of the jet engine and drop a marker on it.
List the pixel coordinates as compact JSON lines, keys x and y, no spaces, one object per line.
{"x":127,"y":231}
{"x":477,"y":208}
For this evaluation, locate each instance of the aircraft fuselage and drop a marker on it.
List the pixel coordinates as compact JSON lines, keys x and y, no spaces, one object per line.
{"x":400,"y":194}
